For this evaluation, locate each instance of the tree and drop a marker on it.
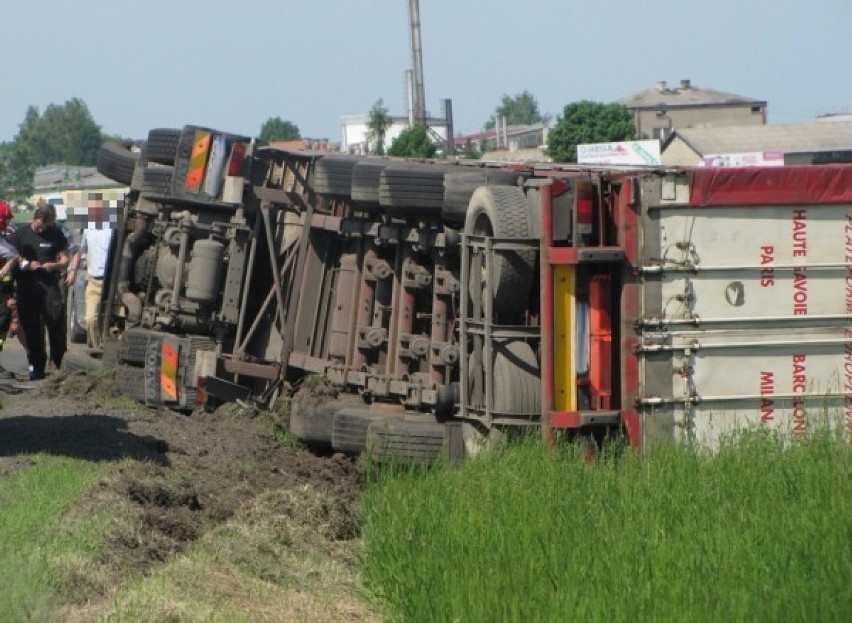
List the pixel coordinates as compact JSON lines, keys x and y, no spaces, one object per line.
{"x":413,"y":142}
{"x":17,"y":168}
{"x":522,"y":109}
{"x":277,"y":129}
{"x":64,"y":134}
{"x":588,"y":122}
{"x":377,"y":127}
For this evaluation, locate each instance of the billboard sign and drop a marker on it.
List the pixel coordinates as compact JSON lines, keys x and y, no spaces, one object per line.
{"x":622,"y":152}
{"x":746,"y":159}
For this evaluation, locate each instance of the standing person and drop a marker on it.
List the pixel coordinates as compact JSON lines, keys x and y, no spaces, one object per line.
{"x":66,"y":279}
{"x":43,"y":255}
{"x":95,"y":248}
{"x":8,"y":256}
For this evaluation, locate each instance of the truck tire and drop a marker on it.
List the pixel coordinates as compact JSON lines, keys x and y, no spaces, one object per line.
{"x":130,"y":380}
{"x":162,"y":145}
{"x":134,"y":345}
{"x":460,"y":185}
{"x":117,"y":161}
{"x":349,"y":429}
{"x":312,"y":425}
{"x":76,"y":332}
{"x":405,"y":442}
{"x":79,"y":362}
{"x":517,"y":380}
{"x":333,"y":176}
{"x":366,"y":176}
{"x":412,"y":190}
{"x":157,"y":183}
{"x":109,"y":352}
{"x":502,"y":212}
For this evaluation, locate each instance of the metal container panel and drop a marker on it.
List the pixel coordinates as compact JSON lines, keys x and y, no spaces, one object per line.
{"x":723,"y":263}
{"x":746,"y":319}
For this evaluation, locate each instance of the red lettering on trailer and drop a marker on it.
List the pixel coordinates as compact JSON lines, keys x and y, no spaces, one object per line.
{"x":767,"y":275}
{"x":800,"y":233}
{"x":767,"y":388}
{"x":800,"y":291}
{"x":847,"y":348}
{"x":800,"y":381}
{"x":800,"y":419}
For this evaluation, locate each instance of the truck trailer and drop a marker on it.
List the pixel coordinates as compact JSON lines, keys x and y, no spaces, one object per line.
{"x":452,"y":304}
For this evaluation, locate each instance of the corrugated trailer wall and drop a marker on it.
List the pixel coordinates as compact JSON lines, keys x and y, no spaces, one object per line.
{"x":745,"y":288}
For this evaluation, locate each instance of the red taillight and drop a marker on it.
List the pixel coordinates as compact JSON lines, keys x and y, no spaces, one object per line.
{"x":585,"y":210}
{"x":238,"y":157}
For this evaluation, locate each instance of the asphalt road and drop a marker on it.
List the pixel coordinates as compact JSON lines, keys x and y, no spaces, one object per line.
{"x":14,"y":358}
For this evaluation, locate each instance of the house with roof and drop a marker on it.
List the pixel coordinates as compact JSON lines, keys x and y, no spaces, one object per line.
{"x":662,"y":109}
{"x":817,"y":142}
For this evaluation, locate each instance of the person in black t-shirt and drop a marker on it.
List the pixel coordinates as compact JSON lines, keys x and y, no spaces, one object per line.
{"x":43,"y":255}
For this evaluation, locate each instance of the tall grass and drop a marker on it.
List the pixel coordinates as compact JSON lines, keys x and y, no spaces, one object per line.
{"x":761,"y":530}
{"x":34,"y":535}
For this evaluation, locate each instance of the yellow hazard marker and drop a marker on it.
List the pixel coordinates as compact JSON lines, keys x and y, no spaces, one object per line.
{"x":564,"y":331}
{"x":198,"y":161}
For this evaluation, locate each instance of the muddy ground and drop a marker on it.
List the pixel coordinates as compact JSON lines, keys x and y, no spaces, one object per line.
{"x":183,"y":474}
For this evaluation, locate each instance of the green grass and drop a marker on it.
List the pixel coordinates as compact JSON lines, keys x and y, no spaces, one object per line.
{"x":761,"y":530}
{"x":36,"y":539}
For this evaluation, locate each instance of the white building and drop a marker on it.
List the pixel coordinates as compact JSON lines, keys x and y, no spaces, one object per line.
{"x":354,"y":132}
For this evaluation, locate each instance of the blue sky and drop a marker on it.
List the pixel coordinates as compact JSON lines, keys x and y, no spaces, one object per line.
{"x":232,"y":65}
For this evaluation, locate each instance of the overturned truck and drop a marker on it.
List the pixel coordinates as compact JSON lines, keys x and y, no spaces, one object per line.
{"x":451,"y":304}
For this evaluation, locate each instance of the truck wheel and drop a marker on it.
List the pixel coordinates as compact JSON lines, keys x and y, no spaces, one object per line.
{"x":131,"y":381}
{"x":133,"y":346}
{"x":502,"y":212}
{"x":406,"y":442}
{"x":349,"y":430}
{"x":333,"y":176}
{"x":76,"y":333}
{"x":366,"y":176}
{"x":157,"y":183}
{"x":117,"y":161}
{"x":412,"y":190}
{"x":311,"y":424}
{"x":109,"y":352}
{"x":162,"y":145}
{"x":79,"y":362}
{"x":460,"y":185}
{"x":517,"y":380}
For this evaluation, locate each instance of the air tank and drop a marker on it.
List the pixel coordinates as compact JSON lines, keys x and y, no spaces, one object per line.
{"x":202,"y":283}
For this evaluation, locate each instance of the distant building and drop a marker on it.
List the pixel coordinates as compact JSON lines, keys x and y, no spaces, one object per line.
{"x":660,"y":110}
{"x":816,"y":142}
{"x":355,"y":133}
{"x":53,"y":183}
{"x":514,"y":138}
{"x":307,"y":144}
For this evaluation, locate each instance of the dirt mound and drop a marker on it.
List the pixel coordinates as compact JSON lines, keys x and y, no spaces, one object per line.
{"x":178,"y":476}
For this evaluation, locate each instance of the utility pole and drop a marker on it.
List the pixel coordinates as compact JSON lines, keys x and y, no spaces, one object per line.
{"x":419,"y":104}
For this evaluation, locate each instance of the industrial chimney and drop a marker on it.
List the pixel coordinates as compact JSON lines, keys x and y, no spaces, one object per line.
{"x":419,"y":104}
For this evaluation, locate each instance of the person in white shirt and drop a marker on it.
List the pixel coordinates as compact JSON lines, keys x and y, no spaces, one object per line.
{"x":95,"y":247}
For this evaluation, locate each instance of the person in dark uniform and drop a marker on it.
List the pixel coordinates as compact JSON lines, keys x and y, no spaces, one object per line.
{"x":42,"y":256}
{"x":8,"y":255}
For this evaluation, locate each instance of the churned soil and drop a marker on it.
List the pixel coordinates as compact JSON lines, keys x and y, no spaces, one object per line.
{"x":178,"y":475}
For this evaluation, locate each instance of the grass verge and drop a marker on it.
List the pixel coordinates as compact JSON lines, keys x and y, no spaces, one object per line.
{"x":760,"y":530}
{"x":279,"y":559}
{"x":36,"y":543}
